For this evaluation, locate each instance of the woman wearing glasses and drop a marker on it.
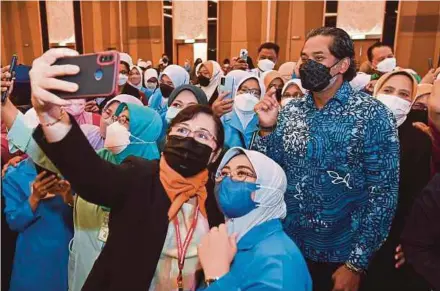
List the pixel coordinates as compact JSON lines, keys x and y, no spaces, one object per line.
{"x":241,"y":124}
{"x":252,"y":252}
{"x":159,"y":209}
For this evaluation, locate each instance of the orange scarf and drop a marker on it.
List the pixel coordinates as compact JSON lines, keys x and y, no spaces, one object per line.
{"x":180,"y":189}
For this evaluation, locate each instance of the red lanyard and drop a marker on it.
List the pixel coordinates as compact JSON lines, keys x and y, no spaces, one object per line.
{"x":182,"y":249}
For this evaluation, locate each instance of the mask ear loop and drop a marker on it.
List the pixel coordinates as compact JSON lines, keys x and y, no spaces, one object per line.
{"x":140,"y":141}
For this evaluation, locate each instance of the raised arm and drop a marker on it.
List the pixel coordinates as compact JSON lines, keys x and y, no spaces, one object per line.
{"x":61,"y":139}
{"x":19,"y":134}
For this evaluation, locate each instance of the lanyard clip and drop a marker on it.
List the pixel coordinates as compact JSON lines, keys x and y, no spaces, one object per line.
{"x":180,"y":281}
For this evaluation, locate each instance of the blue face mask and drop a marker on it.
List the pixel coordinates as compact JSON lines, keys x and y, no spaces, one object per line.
{"x":171,"y":113}
{"x":234,"y":198}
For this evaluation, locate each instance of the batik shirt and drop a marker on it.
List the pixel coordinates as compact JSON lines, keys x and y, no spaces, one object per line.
{"x":342,"y":167}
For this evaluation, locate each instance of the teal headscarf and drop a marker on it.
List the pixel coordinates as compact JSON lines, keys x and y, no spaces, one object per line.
{"x":145,"y":125}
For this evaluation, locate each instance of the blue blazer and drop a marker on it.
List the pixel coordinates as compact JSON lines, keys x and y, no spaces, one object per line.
{"x":266,"y":260}
{"x":235,"y":134}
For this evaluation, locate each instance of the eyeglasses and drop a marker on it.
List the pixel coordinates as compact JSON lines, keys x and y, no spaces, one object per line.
{"x":122,"y":119}
{"x":294,"y":95}
{"x":239,"y":175}
{"x":199,"y":135}
{"x":254,"y":92}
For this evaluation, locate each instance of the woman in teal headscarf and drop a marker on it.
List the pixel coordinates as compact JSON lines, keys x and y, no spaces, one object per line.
{"x":135,"y":132}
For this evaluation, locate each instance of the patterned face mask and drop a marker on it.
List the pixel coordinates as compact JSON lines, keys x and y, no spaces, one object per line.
{"x":315,"y":76}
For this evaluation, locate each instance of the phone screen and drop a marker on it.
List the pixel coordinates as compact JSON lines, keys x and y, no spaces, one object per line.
{"x":278,"y":94}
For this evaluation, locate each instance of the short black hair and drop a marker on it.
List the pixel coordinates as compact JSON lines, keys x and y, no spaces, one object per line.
{"x":126,"y":65}
{"x":190,"y":112}
{"x":226,"y":61}
{"x":341,"y":47}
{"x":376,"y":45}
{"x":270,"y":46}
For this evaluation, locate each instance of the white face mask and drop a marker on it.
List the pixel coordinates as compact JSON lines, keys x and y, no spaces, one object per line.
{"x":122,"y":79}
{"x":285,"y":101}
{"x":265,"y":65}
{"x":151,"y":85}
{"x":245,"y":102}
{"x":438,"y":77}
{"x":387,"y":65}
{"x":171,"y":113}
{"x":397,"y":105}
{"x":117,"y":138}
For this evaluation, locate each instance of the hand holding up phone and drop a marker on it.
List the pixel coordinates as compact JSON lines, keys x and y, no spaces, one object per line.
{"x":222,"y":104}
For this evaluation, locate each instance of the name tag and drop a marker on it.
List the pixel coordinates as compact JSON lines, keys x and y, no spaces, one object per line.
{"x":103,"y":231}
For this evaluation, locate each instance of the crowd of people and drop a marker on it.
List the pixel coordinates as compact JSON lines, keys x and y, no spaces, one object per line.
{"x":316,"y":174}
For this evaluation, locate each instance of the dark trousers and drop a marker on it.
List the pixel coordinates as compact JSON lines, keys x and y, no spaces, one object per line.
{"x":322,"y":274}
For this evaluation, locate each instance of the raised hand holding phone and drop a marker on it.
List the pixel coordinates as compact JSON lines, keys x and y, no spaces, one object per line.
{"x":7,"y":77}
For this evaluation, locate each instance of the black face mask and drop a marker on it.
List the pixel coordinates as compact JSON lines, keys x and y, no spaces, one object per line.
{"x":166,"y":90}
{"x":314,"y":76}
{"x":186,"y":156}
{"x":203,"y":81}
{"x":165,"y":60}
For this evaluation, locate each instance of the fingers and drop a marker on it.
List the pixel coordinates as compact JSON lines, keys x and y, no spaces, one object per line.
{"x":52,"y":55}
{"x":399,"y":249}
{"x":40,"y":176}
{"x":48,"y":97}
{"x":223,"y":95}
{"x":64,"y":70}
{"x":47,"y":180}
{"x":57,"y":84}
{"x":5,"y":69}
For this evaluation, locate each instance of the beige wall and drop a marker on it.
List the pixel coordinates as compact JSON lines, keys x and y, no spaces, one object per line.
{"x":418,"y":34}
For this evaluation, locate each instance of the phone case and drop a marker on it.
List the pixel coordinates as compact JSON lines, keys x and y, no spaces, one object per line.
{"x":90,"y":81}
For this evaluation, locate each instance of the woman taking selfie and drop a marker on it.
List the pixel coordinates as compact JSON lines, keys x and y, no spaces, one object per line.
{"x":151,"y":202}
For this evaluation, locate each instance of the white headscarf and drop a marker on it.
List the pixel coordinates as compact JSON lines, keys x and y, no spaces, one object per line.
{"x":296,"y":82}
{"x":150,"y":73}
{"x":141,"y":63}
{"x":139,"y":86}
{"x":217,"y":74}
{"x":360,"y":81}
{"x":178,"y":75}
{"x":238,"y":76}
{"x":246,"y":117}
{"x":124,"y":57}
{"x":272,"y":205}
{"x":286,"y":70}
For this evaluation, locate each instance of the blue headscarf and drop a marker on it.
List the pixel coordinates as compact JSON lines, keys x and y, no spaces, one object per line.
{"x":146,"y":126}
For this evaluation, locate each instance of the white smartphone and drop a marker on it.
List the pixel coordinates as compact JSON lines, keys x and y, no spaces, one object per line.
{"x":227,"y":84}
{"x":244,"y":54}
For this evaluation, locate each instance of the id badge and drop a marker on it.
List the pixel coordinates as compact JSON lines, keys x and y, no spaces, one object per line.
{"x":103,"y":231}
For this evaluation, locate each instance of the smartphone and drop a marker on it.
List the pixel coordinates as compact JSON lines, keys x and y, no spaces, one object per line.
{"x":227,"y":84}
{"x":21,"y":93}
{"x":430,"y":65}
{"x":41,"y":169}
{"x":244,"y":54}
{"x":278,"y":94}
{"x":98,"y":75}
{"x":11,"y":71}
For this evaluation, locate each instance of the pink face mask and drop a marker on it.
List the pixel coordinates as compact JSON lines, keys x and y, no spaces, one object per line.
{"x":76,"y":109}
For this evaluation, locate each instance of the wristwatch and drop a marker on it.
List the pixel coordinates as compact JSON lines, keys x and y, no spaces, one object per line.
{"x":268,"y":129}
{"x":354,"y":269}
{"x":209,"y":281}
